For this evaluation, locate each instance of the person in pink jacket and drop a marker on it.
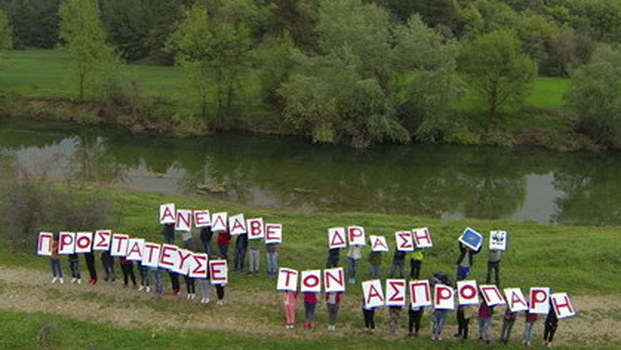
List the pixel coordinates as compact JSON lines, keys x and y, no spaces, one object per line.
{"x":290,"y":303}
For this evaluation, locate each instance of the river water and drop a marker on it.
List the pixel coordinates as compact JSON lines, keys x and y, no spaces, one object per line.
{"x":521,"y":184}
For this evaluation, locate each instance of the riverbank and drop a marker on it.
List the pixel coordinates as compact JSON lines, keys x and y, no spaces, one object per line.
{"x":39,"y":85}
{"x":580,"y":260}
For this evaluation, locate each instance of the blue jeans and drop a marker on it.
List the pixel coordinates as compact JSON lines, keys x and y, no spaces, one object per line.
{"x":484,"y":327}
{"x":463,"y":272}
{"x":157,"y":279}
{"x":56,"y":270}
{"x":224,"y":251}
{"x":439,"y":318}
{"x":272,"y":263}
{"x":207,"y":247}
{"x":351,"y":270}
{"x":373,"y":271}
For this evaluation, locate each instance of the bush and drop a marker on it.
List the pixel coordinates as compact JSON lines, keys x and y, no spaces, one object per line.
{"x":28,"y":206}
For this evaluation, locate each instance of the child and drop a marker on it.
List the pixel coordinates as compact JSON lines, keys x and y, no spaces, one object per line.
{"x":144,"y":278}
{"x":464,"y":314}
{"x":493,"y":263}
{"x":74,"y":265}
{"x":528,"y":328}
{"x":157,"y":280}
{"x":90,"y":264}
{"x":168,"y":233}
{"x":310,"y":303}
{"x":333,"y":300}
{"x":272,"y":259}
{"x":333,"y":257}
{"x":220,"y":294}
{"x":369,"y":315}
{"x":206,"y":234}
{"x":127,"y":266}
{"x":289,"y":300}
{"x":439,"y":318}
{"x":57,"y":272}
{"x":416,"y":262}
{"x":353,"y":256}
{"x":224,"y":239}
{"x":415,"y":314}
{"x":190,"y":287}
{"x":254,"y":256}
{"x":485,"y":322}
{"x":174,"y":281}
{"x":394,"y":312}
{"x":375,"y":260}
{"x":507,"y":325}
{"x":108,"y":264}
{"x":398,"y":265}
{"x":203,"y":285}
{"x":239,"y":256}
{"x":550,"y":327}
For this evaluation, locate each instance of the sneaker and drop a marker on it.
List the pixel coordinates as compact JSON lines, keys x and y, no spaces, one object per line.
{"x":147,"y":289}
{"x":220,"y":302}
{"x":54,"y":280}
{"x":206,"y":300}
{"x":73,"y":280}
{"x":79,"y":281}
{"x":140,"y":288}
{"x":62,"y":281}
{"x":175,"y":293}
{"x":94,"y":282}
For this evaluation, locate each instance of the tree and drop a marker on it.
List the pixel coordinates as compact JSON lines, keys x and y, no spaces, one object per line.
{"x":276,"y":66}
{"x":497,"y":70}
{"x":215,"y":47}
{"x":84,"y":39}
{"x":430,"y":88}
{"x":6,"y":33}
{"x":595,"y":96}
{"x":342,"y":94}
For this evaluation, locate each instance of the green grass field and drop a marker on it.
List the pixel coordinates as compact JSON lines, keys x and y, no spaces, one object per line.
{"x":47,"y":73}
{"x":580,"y":260}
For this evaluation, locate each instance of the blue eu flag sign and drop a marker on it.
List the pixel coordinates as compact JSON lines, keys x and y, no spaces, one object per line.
{"x":471,"y":239}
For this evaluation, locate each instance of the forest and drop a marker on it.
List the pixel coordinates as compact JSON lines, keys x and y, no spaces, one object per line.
{"x":352,"y":72}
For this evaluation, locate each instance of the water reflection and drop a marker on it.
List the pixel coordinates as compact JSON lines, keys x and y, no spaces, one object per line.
{"x":432,"y":181}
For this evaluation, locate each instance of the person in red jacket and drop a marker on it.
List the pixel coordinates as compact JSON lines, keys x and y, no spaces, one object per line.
{"x":224,"y":239}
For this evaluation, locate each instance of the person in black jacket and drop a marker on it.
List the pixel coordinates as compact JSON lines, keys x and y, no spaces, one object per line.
{"x":550,"y":327}
{"x":464,"y":261}
{"x":169,"y":233}
{"x":90,"y":264}
{"x":206,"y":235}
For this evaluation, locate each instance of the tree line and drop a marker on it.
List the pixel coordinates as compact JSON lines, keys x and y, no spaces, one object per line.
{"x":343,"y":71}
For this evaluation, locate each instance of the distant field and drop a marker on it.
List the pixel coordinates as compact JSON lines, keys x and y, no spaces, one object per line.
{"x":47,"y":73}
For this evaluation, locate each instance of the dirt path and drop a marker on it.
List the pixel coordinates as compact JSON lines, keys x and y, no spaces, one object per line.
{"x":599,"y":321}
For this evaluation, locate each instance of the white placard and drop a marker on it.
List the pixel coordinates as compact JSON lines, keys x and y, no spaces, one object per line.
{"x":467,"y":293}
{"x":202,"y":218}
{"x":135,"y":249}
{"x":168,"y":257}
{"x":218,"y":272}
{"x":273,"y":233}
{"x":183,"y":220}
{"x":492,"y":295}
{"x":310,"y":281}
{"x":218,"y":222}
{"x":373,"y":293}
{"x":183,"y":261}
{"x":336,"y":238}
{"x":237,"y":224}
{"x":66,"y":243}
{"x":151,"y":256}
{"x":562,"y":306}
{"x":422,"y":238}
{"x":443,"y":297}
{"x":167,"y":213}
{"x":356,"y":235}
{"x":378,"y":243}
{"x":404,"y":241}
{"x":255,"y":228}
{"x":199,"y":264}
{"x":334,"y":280}
{"x":498,"y":240}
{"x":44,"y":244}
{"x":420,"y":293}
{"x":101,"y":241}
{"x":395,"y":292}
{"x":84,"y":242}
{"x":515,"y":299}
{"x":539,"y":300}
{"x":287,"y":279}
{"x":118,"y":246}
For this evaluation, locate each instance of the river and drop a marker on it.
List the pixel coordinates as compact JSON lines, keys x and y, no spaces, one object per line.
{"x":442,"y":181}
